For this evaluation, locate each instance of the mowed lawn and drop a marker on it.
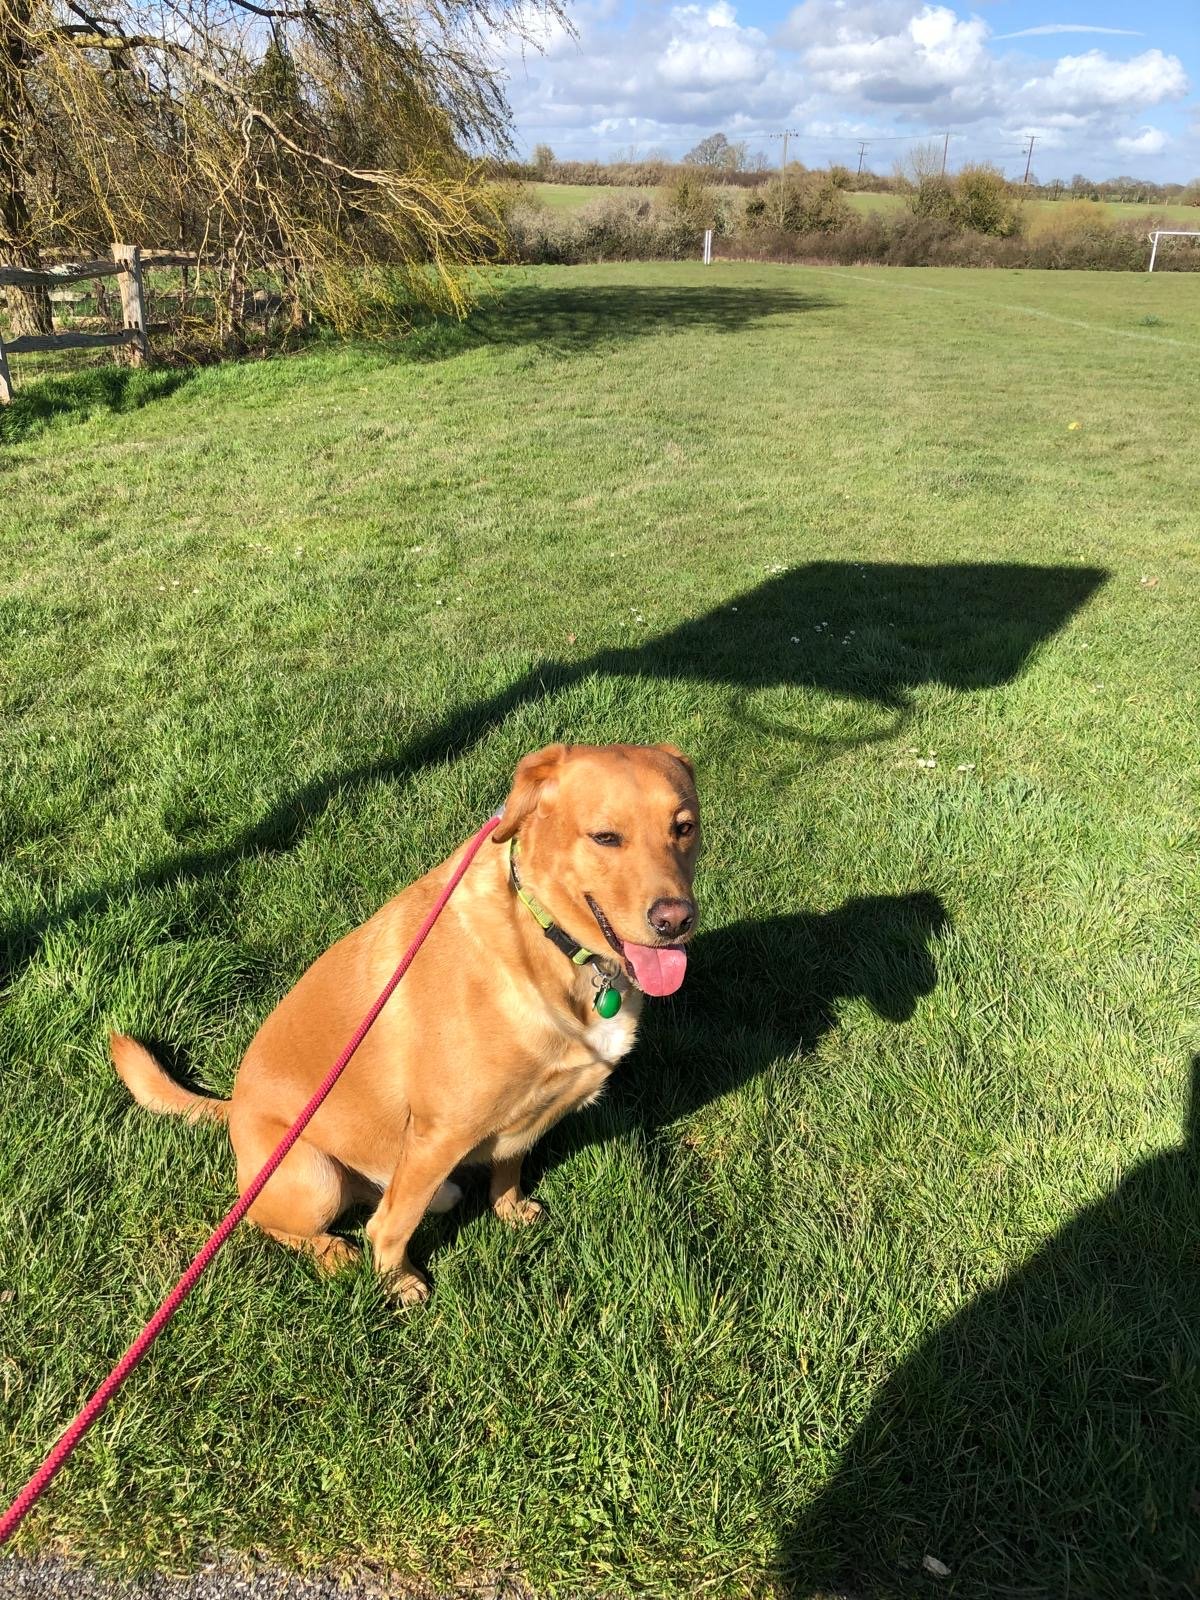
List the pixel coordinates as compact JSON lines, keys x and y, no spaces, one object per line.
{"x":883,"y":1245}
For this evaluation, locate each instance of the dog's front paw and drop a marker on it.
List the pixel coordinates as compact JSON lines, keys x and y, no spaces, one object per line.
{"x":405,"y":1287}
{"x":518,"y":1213}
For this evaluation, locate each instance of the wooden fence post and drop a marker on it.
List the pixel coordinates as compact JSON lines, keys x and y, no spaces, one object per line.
{"x":133,"y":299}
{"x":5,"y":377}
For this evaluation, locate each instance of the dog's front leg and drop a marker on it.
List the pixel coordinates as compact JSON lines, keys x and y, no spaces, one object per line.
{"x":429,"y":1156}
{"x":509,"y":1204}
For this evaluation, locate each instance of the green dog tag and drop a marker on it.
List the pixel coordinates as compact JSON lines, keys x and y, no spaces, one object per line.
{"x":608,"y":1001}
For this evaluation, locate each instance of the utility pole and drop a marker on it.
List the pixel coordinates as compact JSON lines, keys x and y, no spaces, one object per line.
{"x":1029,"y":157}
{"x":945,"y":152}
{"x":785,"y":135}
{"x":862,"y":150}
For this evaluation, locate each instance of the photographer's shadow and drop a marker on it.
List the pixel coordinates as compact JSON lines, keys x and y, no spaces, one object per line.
{"x":1046,"y":1441}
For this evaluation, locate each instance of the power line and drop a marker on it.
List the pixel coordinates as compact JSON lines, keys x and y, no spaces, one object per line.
{"x":868,"y":139}
{"x":891,"y":138}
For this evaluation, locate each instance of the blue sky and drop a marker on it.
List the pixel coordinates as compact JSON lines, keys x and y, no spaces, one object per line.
{"x":1103,"y":87}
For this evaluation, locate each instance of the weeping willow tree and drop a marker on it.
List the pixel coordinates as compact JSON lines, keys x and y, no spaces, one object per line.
{"x":327,"y":140}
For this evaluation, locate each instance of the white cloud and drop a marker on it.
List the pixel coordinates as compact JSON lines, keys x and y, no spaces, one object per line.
{"x":1095,"y":81}
{"x":1146,"y":142}
{"x":839,"y":70}
{"x":1048,"y":28}
{"x":691,"y":66}
{"x":886,"y":51}
{"x":707,"y":50}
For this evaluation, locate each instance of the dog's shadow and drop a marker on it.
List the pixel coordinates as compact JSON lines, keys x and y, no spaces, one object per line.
{"x":756,"y":993}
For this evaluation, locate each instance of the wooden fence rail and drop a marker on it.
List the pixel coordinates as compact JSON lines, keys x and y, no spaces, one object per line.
{"x":127,"y":265}
{"x":102,"y":267}
{"x":254,"y":300}
{"x":52,"y":277}
{"x":27,"y":344}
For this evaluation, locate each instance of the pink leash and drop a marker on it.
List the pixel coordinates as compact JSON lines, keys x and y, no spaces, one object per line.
{"x":62,"y":1451}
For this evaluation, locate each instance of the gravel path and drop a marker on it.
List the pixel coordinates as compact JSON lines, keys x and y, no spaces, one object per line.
{"x":50,"y":1578}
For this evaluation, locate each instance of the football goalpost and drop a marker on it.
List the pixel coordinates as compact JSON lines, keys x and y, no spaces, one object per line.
{"x":1167,"y":233}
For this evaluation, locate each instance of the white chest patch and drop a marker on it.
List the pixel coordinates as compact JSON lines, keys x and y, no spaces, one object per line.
{"x":612,"y":1037}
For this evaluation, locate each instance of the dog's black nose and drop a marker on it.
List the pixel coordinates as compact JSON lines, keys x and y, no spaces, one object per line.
{"x":671,"y":918}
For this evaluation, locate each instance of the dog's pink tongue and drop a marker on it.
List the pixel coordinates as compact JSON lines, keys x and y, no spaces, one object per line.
{"x":658,"y":971}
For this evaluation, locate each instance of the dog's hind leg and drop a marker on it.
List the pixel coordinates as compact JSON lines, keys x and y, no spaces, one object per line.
{"x":303,"y":1199}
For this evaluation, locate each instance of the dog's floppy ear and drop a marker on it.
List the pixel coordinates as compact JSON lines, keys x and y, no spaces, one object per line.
{"x":684,"y":761}
{"x":534,"y":772}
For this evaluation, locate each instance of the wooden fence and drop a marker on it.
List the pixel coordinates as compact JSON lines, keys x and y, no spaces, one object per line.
{"x":127,"y":265}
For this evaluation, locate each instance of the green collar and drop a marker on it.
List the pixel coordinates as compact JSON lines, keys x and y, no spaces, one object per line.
{"x":577,"y":954}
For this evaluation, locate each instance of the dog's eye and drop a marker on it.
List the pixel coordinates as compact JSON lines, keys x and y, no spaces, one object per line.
{"x":611,"y":840}
{"x":684,"y":829}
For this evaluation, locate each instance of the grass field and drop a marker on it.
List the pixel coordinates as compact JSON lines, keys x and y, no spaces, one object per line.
{"x":571,"y":196}
{"x":1042,"y":211}
{"x":883,"y":1245}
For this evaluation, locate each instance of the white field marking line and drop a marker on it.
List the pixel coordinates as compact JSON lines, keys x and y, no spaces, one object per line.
{"x":1025,"y":311}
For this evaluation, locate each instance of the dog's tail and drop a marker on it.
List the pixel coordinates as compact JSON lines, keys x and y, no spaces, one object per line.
{"x":155,"y":1089}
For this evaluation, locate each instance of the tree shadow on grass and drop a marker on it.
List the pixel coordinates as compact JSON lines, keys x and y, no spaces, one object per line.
{"x":566,"y":319}
{"x":571,"y":318}
{"x":870,"y":633}
{"x":37,"y":405}
{"x":1046,"y":1442}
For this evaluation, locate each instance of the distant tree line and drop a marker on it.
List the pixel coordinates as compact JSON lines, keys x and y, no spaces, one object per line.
{"x":1126,"y":191}
{"x":715,"y":156}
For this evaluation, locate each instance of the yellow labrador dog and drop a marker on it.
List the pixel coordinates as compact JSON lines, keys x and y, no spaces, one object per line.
{"x":526,"y":994}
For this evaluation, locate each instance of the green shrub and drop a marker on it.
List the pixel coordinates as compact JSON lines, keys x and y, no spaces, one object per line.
{"x":904,"y":240}
{"x":692,"y":200}
{"x":985,"y":202}
{"x":616,"y":228}
{"x":1074,"y":219}
{"x":933,"y":197}
{"x":978,"y":198}
{"x":809,"y":203}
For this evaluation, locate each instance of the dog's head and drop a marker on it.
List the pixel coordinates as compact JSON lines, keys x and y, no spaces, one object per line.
{"x":608,"y":842}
